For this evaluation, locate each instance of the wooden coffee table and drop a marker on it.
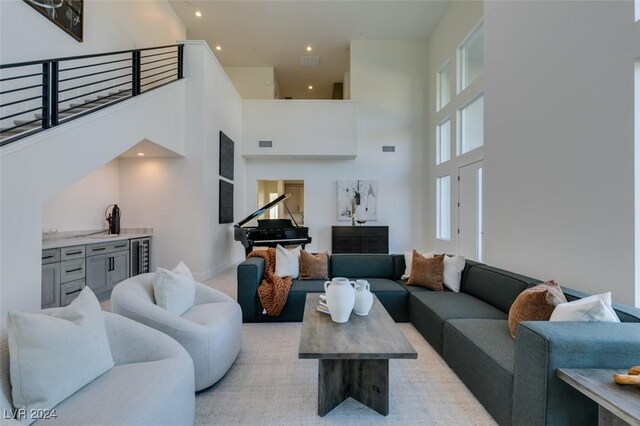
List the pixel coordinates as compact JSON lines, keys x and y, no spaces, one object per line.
{"x":354,"y":356}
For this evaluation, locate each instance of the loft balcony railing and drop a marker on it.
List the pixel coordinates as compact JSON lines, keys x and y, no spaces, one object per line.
{"x":38,"y":95}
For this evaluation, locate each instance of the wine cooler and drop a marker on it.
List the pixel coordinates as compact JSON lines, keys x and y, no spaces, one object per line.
{"x":140,"y":256}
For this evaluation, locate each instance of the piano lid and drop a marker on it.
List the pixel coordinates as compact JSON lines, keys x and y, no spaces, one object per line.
{"x":263,"y":209}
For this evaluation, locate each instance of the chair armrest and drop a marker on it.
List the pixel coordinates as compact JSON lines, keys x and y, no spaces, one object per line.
{"x":250,"y":274}
{"x":132,"y":342}
{"x":206,"y":294}
{"x":539,"y":396}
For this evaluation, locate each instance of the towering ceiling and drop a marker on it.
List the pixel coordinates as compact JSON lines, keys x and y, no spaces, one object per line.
{"x":276,"y":33}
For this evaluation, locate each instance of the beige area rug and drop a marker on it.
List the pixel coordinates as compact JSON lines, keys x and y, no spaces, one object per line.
{"x":269,"y":385}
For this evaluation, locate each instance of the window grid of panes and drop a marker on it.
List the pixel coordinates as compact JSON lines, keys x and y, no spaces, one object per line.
{"x":471,"y":126}
{"x":443,"y":142}
{"x":443,"y":208}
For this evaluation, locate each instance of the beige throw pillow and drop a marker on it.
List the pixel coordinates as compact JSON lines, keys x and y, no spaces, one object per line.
{"x":314,"y":266}
{"x":427,"y":272}
{"x":535,"y":304}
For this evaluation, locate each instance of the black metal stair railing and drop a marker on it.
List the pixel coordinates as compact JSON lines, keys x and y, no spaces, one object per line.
{"x":37,"y":95}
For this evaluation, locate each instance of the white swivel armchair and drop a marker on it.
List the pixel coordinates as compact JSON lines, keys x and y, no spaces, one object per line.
{"x":150,"y":384}
{"x":210,"y":331}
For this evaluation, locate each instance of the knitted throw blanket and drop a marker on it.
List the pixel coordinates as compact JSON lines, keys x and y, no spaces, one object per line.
{"x":273,"y":290}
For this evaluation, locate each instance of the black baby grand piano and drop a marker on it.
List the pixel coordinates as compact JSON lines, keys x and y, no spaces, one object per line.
{"x":270,"y":232}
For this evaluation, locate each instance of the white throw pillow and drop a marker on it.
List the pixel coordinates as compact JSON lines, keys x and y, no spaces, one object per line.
{"x":182,"y":269}
{"x":452,"y":272}
{"x":592,"y":308}
{"x":408,"y":259}
{"x":173,"y":292}
{"x":53,"y":355}
{"x":287,"y":262}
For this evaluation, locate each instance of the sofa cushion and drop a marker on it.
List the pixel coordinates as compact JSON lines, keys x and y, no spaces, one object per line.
{"x":482,"y":352}
{"x":307,"y":286}
{"x":430,"y":309}
{"x":535,"y":304}
{"x":427,"y":271}
{"x":53,"y":354}
{"x":624,"y":312}
{"x":412,"y":288}
{"x":362,"y":266}
{"x":495,"y":286}
{"x":174,"y":291}
{"x":314,"y":266}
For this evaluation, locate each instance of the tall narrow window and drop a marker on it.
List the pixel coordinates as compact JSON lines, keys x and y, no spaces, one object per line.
{"x":443,"y":208}
{"x":443,"y":145}
{"x":471,"y":130}
{"x":471,"y":58}
{"x":443,"y":86}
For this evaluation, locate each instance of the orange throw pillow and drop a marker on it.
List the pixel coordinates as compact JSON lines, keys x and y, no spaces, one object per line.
{"x":427,"y":271}
{"x":535,"y":304}
{"x":314,"y":266}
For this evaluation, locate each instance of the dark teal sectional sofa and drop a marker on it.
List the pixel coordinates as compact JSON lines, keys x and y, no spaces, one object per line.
{"x":514,"y":379}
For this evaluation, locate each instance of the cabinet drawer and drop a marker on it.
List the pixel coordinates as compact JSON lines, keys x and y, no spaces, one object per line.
{"x":68,"y":253}
{"x":72,"y":270}
{"x":110,"y":247}
{"x":50,"y":256}
{"x":69,"y":291}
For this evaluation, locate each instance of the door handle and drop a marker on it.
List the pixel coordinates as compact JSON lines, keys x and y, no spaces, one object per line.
{"x":110,"y":264}
{"x":73,"y":270}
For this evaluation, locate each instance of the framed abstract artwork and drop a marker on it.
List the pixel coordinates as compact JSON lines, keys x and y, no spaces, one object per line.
{"x":359,"y":198}
{"x":66,"y":14}
{"x":225,"y":206}
{"x":226,"y":156}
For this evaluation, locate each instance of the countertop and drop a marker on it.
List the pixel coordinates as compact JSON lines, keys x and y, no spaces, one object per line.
{"x":79,"y":240}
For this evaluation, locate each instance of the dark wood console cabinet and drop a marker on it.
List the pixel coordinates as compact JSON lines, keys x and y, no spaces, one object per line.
{"x":360,"y":239}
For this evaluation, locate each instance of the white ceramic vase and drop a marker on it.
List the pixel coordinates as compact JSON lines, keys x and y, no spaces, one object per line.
{"x":341,"y":296}
{"x":364,"y":298}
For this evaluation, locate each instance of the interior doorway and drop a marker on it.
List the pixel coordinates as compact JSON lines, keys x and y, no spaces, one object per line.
{"x":470,"y":234}
{"x":269,"y":190}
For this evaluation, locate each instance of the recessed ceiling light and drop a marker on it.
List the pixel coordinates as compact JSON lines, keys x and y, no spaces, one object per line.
{"x":218,"y":47}
{"x":141,"y":154}
{"x":198,"y":14}
{"x":310,"y":87}
{"x":309,"y":48}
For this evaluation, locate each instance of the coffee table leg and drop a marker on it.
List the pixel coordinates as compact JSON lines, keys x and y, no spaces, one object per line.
{"x":370,"y":383}
{"x":366,"y":381}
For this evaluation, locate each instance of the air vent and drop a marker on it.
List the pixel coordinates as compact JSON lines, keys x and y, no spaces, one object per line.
{"x":309,"y":61}
{"x":389,"y":148}
{"x":265,"y":144}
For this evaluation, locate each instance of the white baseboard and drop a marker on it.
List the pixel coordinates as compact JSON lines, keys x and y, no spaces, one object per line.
{"x":212,"y":272}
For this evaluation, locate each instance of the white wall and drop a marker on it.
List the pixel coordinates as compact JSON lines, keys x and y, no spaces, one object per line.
{"x":36,"y":169}
{"x":301,"y":128}
{"x":109,"y":26}
{"x":82,"y":205}
{"x":179,"y":197}
{"x":253,"y":82}
{"x":559,"y":144}
{"x":442,"y":46}
{"x":389,"y":86}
